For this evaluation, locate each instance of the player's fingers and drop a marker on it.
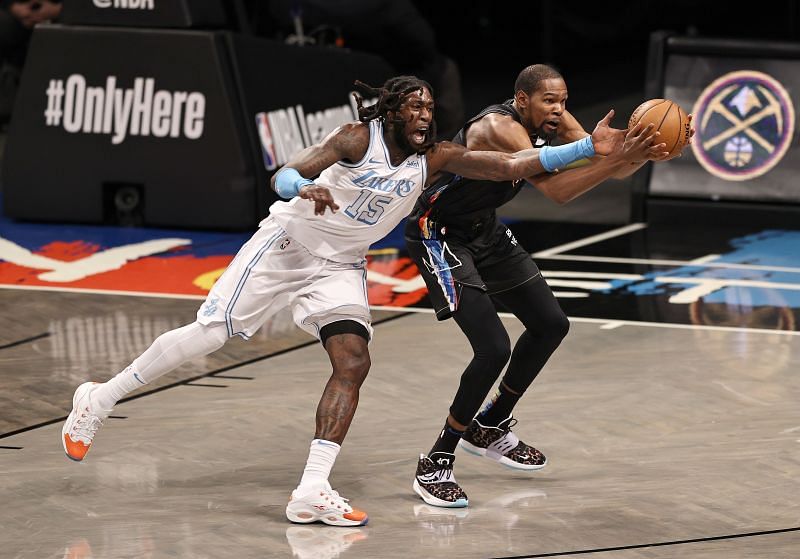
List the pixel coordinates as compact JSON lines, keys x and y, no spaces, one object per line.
{"x":607,"y":119}
{"x":640,"y":131}
{"x":648,"y":130}
{"x":634,"y":132}
{"x":647,"y":139}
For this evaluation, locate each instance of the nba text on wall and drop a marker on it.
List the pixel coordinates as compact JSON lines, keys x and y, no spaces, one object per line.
{"x":125,"y":4}
{"x":285,"y":132}
{"x":140,"y":110}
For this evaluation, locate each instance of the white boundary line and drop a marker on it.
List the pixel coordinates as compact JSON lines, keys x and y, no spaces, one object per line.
{"x":590,"y":240}
{"x":616,"y":260}
{"x":705,"y":259}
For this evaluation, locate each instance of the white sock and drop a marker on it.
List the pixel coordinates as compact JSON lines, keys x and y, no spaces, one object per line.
{"x":105,"y":396}
{"x":321,"y":457}
{"x":167,"y":352}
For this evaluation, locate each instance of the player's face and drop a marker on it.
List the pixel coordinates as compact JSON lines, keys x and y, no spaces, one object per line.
{"x":545,"y":106}
{"x":416,"y":112}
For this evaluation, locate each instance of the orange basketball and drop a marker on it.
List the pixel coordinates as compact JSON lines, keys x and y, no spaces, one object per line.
{"x":668,"y":118}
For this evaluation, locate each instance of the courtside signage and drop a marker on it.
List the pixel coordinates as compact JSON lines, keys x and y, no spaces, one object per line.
{"x":125,"y":4}
{"x":121,"y":112}
{"x":284,"y":132}
{"x":745,"y":123}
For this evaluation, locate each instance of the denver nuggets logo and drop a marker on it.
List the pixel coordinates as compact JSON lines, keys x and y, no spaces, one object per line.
{"x":745,"y":122}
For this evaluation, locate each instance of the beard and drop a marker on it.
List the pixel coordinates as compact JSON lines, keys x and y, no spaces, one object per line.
{"x":547,"y":136}
{"x":400,"y":137}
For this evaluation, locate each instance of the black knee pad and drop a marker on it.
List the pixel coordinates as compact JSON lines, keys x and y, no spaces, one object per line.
{"x":342,"y":327}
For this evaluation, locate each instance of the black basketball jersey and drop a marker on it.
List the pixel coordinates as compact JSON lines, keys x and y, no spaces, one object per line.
{"x":453,"y":199}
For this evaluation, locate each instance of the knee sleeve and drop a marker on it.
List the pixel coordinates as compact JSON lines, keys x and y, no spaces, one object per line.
{"x":342,"y":327}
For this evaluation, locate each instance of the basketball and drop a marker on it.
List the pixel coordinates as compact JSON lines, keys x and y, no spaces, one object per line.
{"x":668,"y":118}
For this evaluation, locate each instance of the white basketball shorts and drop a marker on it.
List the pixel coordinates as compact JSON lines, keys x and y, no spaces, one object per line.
{"x":272,"y":271}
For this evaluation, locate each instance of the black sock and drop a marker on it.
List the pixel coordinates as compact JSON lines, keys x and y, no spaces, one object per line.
{"x":500,"y":407}
{"x":447,"y":441}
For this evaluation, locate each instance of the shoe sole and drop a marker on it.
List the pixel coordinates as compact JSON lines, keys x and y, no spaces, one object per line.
{"x":79,"y":393}
{"x":435,"y":501}
{"x":507,"y":462}
{"x":292,"y":516}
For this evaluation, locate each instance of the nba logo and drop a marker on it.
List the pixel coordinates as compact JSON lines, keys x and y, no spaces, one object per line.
{"x":267,"y":147}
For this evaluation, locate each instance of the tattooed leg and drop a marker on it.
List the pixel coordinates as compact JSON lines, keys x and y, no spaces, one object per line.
{"x":350,"y":360}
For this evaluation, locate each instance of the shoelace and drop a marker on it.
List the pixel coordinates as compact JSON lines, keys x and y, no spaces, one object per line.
{"x":446,"y":473}
{"x":338,"y":500}
{"x":442,"y":474}
{"x":507,"y":441}
{"x":86,"y":427}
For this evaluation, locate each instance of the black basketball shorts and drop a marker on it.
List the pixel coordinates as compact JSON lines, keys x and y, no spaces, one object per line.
{"x":492,"y":261}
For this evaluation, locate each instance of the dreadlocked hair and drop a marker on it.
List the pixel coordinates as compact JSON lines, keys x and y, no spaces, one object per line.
{"x":390,"y":97}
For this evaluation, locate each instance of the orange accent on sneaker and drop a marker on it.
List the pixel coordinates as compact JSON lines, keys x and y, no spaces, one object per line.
{"x":76,"y":450}
{"x":356,"y":515}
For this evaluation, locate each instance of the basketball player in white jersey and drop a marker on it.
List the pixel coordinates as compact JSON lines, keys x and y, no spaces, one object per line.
{"x":370,"y":174}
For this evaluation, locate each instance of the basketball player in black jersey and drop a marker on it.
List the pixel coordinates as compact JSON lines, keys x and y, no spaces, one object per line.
{"x":468,"y":257}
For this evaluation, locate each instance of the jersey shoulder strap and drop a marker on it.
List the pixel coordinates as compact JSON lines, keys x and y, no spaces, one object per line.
{"x":506,"y":108}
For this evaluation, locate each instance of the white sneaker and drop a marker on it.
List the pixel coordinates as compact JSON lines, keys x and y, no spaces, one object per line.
{"x":323,"y":504}
{"x":82,"y":424}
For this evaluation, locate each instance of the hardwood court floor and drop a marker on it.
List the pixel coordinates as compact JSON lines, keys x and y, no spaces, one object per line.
{"x":669,"y":415}
{"x":663,"y":442}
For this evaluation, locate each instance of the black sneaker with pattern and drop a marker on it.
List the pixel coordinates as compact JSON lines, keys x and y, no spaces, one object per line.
{"x":435,"y":481}
{"x":501,"y":445}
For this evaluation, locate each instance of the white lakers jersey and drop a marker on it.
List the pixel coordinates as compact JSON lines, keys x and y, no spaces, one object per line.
{"x":373,"y":197}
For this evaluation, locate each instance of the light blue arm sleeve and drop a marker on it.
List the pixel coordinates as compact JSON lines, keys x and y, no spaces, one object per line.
{"x":288,"y":182}
{"x":557,"y":157}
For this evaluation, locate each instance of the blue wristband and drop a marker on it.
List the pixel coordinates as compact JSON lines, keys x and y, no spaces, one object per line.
{"x":288,"y":182}
{"x":553,"y":158}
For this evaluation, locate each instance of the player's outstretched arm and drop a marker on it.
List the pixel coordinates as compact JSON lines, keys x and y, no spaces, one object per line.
{"x":639,"y":145}
{"x":348,"y":142}
{"x":570,"y":130}
{"x":498,"y":166}
{"x":490,"y":165}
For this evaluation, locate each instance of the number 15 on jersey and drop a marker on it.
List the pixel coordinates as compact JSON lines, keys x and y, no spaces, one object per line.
{"x":368,"y":207}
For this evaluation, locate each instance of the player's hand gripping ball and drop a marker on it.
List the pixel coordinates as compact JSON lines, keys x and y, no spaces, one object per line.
{"x":669,"y":119}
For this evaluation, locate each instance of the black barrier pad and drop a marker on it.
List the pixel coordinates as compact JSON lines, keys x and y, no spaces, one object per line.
{"x":99,"y":106}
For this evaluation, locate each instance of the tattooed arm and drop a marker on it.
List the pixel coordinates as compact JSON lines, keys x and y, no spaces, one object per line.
{"x":348,"y":142}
